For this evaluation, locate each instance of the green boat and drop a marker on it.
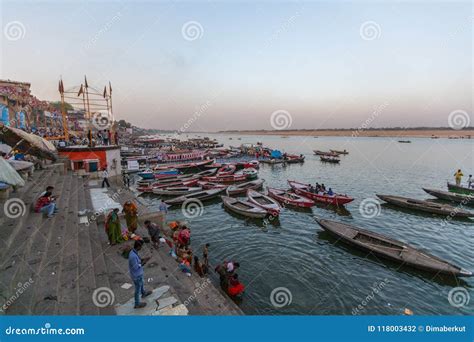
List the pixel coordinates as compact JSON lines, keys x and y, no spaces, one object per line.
{"x":460,"y":189}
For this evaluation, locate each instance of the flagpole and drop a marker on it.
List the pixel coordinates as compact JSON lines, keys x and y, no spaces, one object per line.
{"x":88,"y":110}
{"x":111,"y":112}
{"x":63,"y":111}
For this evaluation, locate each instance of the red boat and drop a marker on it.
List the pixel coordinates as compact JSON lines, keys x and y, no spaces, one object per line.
{"x":289,"y":198}
{"x":226,"y":170}
{"x":178,"y":183}
{"x":185,"y":166}
{"x":226,"y":179}
{"x":303,"y":189}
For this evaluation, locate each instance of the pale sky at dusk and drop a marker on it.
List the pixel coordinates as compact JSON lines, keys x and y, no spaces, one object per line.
{"x":329,"y":64}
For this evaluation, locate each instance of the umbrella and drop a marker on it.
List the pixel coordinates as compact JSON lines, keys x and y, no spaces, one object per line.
{"x":28,"y":143}
{"x":8,"y":174}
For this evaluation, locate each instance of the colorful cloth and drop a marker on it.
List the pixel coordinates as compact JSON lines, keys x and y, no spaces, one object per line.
{"x":113,"y":228}
{"x":131,"y":216}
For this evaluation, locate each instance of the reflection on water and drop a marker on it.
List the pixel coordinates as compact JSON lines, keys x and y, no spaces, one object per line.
{"x":327,"y":277}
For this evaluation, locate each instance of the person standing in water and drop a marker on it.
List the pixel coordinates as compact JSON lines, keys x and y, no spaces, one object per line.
{"x":458,"y":176}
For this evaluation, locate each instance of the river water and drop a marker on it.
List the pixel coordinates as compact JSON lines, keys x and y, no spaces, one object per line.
{"x":291,"y":266}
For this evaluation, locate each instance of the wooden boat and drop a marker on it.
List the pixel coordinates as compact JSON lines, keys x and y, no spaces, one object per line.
{"x":166,"y":173}
{"x":392,"y":249}
{"x":176,"y":190}
{"x":303,"y":190}
{"x":239,"y":189}
{"x":460,"y":189}
{"x":426,"y":206}
{"x":323,"y":153}
{"x":226,"y":170}
{"x":267,"y":203}
{"x":243,"y":207}
{"x":404,"y":141}
{"x":339,"y":152}
{"x":289,"y":198}
{"x":291,"y":159}
{"x":146,"y":174}
{"x":451,"y":196}
{"x":251,"y":173}
{"x":210,"y":185}
{"x":226,"y":179}
{"x":333,"y":160}
{"x":176,"y":183}
{"x":184,"y":167}
{"x":202,"y":196}
{"x":272,"y":161}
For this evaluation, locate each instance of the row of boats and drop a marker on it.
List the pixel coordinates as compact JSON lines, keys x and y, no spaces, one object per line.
{"x":330,"y":157}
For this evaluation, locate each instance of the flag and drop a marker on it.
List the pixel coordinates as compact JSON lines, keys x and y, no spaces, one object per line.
{"x":110,"y":88}
{"x":85,"y":79}
{"x":81,"y":91}
{"x":61,"y":87}
{"x":105,"y":92}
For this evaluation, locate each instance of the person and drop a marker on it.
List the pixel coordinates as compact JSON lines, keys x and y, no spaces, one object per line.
{"x":330,"y":193}
{"x":184,"y":236}
{"x":46,"y":203}
{"x":113,"y":227}
{"x":317,"y":187}
{"x":153,"y":231}
{"x":131,"y":216}
{"x":185,"y":266}
{"x":231,"y":266}
{"x":470,"y":181}
{"x":200,"y":268}
{"x":205,"y":254}
{"x":105,"y":137}
{"x":105,"y":177}
{"x":135,"y":266}
{"x":235,"y":287}
{"x":116,"y":138}
{"x":109,"y":137}
{"x":163,"y":207}
{"x":311,"y":188}
{"x":323,"y":187}
{"x":89,"y":137}
{"x":458,"y":176}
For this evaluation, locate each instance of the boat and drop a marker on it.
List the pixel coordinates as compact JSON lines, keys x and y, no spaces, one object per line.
{"x":243,"y":207}
{"x":333,"y":160}
{"x":251,"y":173}
{"x":147,"y":174}
{"x":226,"y":179}
{"x":176,"y":190}
{"x":303,"y":190}
{"x":344,"y":152}
{"x":323,"y":153}
{"x":404,"y":141}
{"x":226,"y":169}
{"x":292,"y":159}
{"x":210,"y":185}
{"x":265,"y":202}
{"x":239,"y":189}
{"x":166,"y":173}
{"x":186,"y":167}
{"x":272,"y":161}
{"x":451,"y":196}
{"x":426,"y":206}
{"x":460,"y":189}
{"x":288,"y":198}
{"x":392,"y":249}
{"x":175,"y":183}
{"x":202,"y":196}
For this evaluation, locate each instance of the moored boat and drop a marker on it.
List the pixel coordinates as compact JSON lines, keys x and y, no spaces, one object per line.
{"x":146,"y":174}
{"x":186,"y":167}
{"x":392,"y":249}
{"x":451,"y":196}
{"x":239,"y":189}
{"x":243,"y":207}
{"x":265,"y":202}
{"x":323,"y":153}
{"x":202,"y":196}
{"x":426,"y":206}
{"x":344,"y":152}
{"x":304,"y":190}
{"x":460,"y":189}
{"x":176,"y":190}
{"x":289,"y":198}
{"x":172,"y":183}
{"x":272,"y":161}
{"x":326,"y":159}
{"x":226,"y":170}
{"x":251,"y":173}
{"x":226,"y":179}
{"x":293,"y":159}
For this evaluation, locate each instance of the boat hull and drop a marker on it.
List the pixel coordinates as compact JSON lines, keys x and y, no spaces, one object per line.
{"x":334,"y":200}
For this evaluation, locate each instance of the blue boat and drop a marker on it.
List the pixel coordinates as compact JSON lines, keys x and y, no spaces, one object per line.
{"x":150,"y":174}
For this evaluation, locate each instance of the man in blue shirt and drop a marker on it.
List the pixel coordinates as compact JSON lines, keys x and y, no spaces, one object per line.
{"x":135,"y":265}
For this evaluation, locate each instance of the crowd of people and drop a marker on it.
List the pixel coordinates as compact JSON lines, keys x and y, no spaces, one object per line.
{"x":320,"y":189}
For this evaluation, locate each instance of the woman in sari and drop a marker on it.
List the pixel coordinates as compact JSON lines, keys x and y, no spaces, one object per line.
{"x":113,"y":228}
{"x":131,"y":216}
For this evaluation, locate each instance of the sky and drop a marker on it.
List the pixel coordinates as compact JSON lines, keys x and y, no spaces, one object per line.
{"x":226,"y":65}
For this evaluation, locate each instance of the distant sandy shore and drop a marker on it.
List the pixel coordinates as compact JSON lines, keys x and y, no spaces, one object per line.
{"x":412,"y":133}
